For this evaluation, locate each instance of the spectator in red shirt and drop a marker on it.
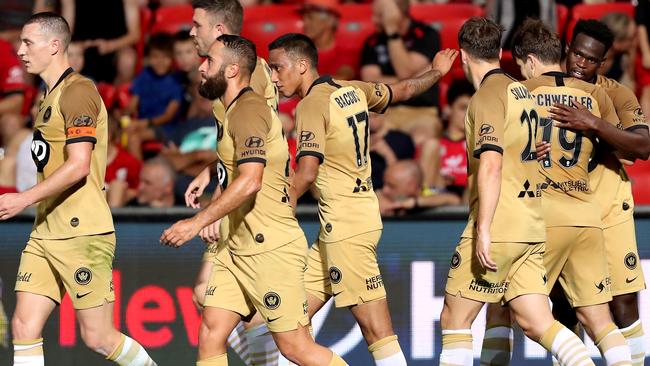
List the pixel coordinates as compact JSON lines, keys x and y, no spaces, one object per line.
{"x":122,"y":171}
{"x":12,"y":80}
{"x":320,"y":19}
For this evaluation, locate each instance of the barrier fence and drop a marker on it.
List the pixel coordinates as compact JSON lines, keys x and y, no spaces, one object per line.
{"x":153,"y":286}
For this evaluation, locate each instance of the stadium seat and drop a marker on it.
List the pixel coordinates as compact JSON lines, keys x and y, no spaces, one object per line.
{"x":596,"y":11}
{"x":639,"y":174}
{"x":263,"y":24}
{"x":107,"y":92}
{"x":123,"y":95}
{"x":432,"y":13}
{"x":146,"y":20}
{"x":172,"y":18}
{"x":355,"y":25}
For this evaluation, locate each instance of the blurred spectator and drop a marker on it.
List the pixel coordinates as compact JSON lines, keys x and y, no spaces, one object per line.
{"x":12,"y":81}
{"x":512,"y":13}
{"x":76,"y":56}
{"x":15,"y":13}
{"x":400,"y":49}
{"x":444,"y":160}
{"x":188,"y":61}
{"x":122,"y":170}
{"x":17,"y":169}
{"x":157,"y":179}
{"x":619,"y":64}
{"x":320,"y":20}
{"x":387,"y":146}
{"x":157,"y":96}
{"x":642,"y":69}
{"x":106,"y":28}
{"x":403,"y":193}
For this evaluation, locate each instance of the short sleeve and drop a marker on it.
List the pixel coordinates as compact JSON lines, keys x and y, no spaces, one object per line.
{"x":310,"y":126}
{"x":628,"y":109}
{"x":80,"y":105}
{"x":606,"y":107}
{"x":378,"y":95}
{"x":249,"y":129}
{"x":426,"y":41}
{"x":489,"y":123}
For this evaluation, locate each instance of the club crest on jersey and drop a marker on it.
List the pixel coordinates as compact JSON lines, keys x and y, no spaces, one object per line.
{"x":254,"y":141}
{"x":631,"y":261}
{"x":272,"y":300}
{"x":40,"y":151}
{"x":335,"y":275}
{"x":47,"y":114}
{"x":455,"y":260}
{"x":83,"y":276}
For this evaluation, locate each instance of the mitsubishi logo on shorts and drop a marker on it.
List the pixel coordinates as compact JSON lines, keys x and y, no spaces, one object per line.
{"x":526,"y":192}
{"x":254,"y":141}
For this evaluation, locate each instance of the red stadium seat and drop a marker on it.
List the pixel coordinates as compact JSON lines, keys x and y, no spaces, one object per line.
{"x":146,"y":20}
{"x":562,"y":18}
{"x":640,"y":176}
{"x":263,"y":24}
{"x":172,"y":18}
{"x":107,"y":92}
{"x":596,"y":11}
{"x":123,"y":95}
{"x":446,"y":18}
{"x":355,"y":25}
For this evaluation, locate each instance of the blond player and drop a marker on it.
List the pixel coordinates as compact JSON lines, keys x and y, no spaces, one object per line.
{"x":72,"y":244}
{"x":500,"y":255}
{"x":575,"y":252}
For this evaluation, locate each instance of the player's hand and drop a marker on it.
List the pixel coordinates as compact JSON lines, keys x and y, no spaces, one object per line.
{"x":483,"y":244}
{"x":180,"y":233}
{"x":196,"y":188}
{"x":444,"y":60}
{"x":541,"y":149}
{"x":12,"y":204}
{"x":576,"y":118}
{"x":210,"y":233}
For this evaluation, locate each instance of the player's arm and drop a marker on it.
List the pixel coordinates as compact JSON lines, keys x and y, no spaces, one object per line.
{"x":489,"y":188}
{"x":304,"y":176}
{"x":406,"y":89}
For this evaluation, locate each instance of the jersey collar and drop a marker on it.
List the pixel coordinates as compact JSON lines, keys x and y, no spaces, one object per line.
{"x":323,"y":79}
{"x":65,"y":74}
{"x":498,"y":70}
{"x":241,"y":92}
{"x":558,"y":75}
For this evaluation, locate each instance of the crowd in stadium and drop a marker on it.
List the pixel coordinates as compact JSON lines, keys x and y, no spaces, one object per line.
{"x":162,"y":133}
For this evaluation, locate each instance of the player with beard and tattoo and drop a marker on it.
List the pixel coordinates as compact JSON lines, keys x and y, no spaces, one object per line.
{"x":250,"y":340}
{"x":261,"y":269}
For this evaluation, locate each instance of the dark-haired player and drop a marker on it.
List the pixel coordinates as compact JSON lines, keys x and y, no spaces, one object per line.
{"x":575,"y":250}
{"x":262,"y":267}
{"x":72,"y":244}
{"x":500,"y":256}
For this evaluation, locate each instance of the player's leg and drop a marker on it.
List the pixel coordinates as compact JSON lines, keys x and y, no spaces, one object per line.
{"x":317,"y":278}
{"x":586,"y":282}
{"x":299,"y":347}
{"x":458,"y":314}
{"x":498,"y":338}
{"x":357,"y":283}
{"x":627,"y":279}
{"x":237,"y":339}
{"x":216,"y":326}
{"x":38,"y":290}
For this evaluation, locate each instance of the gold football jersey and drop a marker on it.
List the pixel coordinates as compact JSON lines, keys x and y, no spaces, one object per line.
{"x":332,"y":125}
{"x":252,"y":132}
{"x":501,"y":117}
{"x":568,"y":198}
{"x":609,"y":179}
{"x":71,"y":112}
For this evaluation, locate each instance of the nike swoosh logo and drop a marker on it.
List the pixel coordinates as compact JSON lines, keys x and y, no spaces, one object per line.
{"x":627,"y":280}
{"x":86,"y":294}
{"x":269,"y":320}
{"x":337,"y":293}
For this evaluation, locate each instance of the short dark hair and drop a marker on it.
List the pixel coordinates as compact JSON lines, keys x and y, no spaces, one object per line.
{"x":241,"y":49}
{"x":595,"y":29}
{"x":534,"y":37}
{"x":183,"y":36}
{"x":297,"y":44}
{"x":481,"y":38}
{"x":53,"y":23}
{"x":230,"y":12}
{"x":459,"y":88}
{"x":163,"y":42}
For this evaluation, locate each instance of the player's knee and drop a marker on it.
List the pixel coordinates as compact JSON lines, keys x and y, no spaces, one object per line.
{"x":292,"y":347}
{"x":625,"y":310}
{"x":95,"y":340}
{"x":23,"y":328}
{"x":497,"y":315}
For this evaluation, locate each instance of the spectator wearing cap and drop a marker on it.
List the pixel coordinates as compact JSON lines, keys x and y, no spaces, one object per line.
{"x":400,"y":49}
{"x":320,"y":20}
